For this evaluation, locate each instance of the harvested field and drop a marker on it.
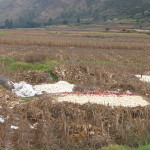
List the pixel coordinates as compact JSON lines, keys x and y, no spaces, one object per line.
{"x":92,"y":60}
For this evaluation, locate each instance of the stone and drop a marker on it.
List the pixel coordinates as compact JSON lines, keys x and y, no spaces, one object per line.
{"x":6,"y":83}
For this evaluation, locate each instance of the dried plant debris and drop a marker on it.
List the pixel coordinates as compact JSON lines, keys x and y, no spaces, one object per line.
{"x":91,"y":125}
{"x":34,"y":77}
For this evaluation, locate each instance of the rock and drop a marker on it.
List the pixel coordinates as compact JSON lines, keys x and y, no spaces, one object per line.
{"x":6,"y":83}
{"x":78,"y":89}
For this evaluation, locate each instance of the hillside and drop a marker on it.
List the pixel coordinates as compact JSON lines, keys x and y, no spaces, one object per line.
{"x":23,"y":12}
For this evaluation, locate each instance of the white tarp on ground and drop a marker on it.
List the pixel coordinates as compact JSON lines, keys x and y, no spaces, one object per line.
{"x":23,"y":89}
{"x":111,"y":100}
{"x":144,"y":78}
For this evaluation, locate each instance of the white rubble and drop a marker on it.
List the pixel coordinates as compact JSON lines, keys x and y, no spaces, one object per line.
{"x":111,"y":100}
{"x":59,"y":87}
{"x":144,"y":78}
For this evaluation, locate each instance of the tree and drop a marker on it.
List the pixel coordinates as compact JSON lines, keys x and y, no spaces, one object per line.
{"x":8,"y":24}
{"x":107,"y":29}
{"x":65,"y":22}
{"x":78,"y":20}
{"x":11,"y":24}
{"x":96,"y":14}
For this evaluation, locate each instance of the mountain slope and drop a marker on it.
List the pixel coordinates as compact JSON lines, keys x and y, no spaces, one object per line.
{"x":43,"y":10}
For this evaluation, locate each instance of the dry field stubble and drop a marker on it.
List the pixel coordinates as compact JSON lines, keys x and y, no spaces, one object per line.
{"x":92,"y":60}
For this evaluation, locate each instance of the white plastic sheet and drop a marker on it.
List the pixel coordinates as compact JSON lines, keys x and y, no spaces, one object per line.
{"x":23,"y":89}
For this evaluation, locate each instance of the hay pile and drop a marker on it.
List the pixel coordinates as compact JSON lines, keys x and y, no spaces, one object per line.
{"x":87,"y":77}
{"x":6,"y":95}
{"x":77,"y":73}
{"x":34,"y":77}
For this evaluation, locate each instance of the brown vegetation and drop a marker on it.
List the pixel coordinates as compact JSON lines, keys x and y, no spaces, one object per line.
{"x":45,"y":124}
{"x":101,"y":62}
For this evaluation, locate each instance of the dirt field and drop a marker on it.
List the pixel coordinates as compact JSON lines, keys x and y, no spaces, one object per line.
{"x":94,"y":60}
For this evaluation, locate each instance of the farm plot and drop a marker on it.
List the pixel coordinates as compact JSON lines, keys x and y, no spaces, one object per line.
{"x":96,"y":62}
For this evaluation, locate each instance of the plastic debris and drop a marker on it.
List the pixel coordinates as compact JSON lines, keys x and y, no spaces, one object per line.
{"x":23,"y":89}
{"x":14,"y":127}
{"x":2,"y":119}
{"x":144,"y":78}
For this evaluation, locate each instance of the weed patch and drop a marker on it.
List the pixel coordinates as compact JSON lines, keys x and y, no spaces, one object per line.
{"x":118,"y":147}
{"x":7,"y":60}
{"x":32,"y":66}
{"x":14,"y":66}
{"x":97,"y":62}
{"x":1,"y":87}
{"x":27,"y":99}
{"x":3,"y":34}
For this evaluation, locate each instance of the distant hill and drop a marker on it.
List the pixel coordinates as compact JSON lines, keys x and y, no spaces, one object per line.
{"x":34,"y":12}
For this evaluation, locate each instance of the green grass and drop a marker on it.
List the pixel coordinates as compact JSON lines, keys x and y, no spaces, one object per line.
{"x":147,"y":147}
{"x":32,"y":66}
{"x":97,"y":62}
{"x":117,"y":147}
{"x":133,"y":64}
{"x":2,"y":34}
{"x":27,"y":99}
{"x":110,"y":63}
{"x":14,"y":65}
{"x":1,"y":87}
{"x":7,"y":60}
{"x":13,"y":149}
